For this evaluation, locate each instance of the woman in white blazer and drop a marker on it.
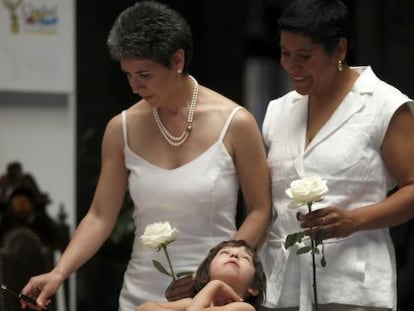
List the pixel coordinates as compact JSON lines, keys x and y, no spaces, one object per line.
{"x":356,"y":132}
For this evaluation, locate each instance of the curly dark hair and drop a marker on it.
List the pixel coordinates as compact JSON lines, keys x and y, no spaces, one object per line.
{"x":259,"y":282}
{"x":150,"y":30}
{"x":324,"y":21}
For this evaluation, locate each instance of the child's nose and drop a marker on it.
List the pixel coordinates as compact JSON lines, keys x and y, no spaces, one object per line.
{"x":234,"y":255}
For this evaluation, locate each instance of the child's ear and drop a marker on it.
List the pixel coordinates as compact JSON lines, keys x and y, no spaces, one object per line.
{"x":252,"y":292}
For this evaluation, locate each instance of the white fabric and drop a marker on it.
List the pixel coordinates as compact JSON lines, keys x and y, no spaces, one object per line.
{"x":346,"y":152}
{"x":199,"y":198}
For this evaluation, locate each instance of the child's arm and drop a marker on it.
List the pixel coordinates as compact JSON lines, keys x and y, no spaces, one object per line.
{"x":217,"y":295}
{"x":179,"y":305}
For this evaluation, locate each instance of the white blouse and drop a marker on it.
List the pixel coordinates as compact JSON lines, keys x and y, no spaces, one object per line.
{"x":347,"y":153}
{"x":198,"y":198}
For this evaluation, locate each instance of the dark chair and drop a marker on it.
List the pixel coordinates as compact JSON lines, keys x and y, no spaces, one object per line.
{"x":29,"y":237}
{"x":22,"y":255}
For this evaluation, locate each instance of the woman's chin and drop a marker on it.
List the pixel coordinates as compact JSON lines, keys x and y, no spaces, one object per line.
{"x":302,"y":91}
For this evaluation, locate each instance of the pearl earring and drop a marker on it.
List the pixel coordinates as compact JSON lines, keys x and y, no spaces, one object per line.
{"x":340,"y":65}
{"x":179,"y":71}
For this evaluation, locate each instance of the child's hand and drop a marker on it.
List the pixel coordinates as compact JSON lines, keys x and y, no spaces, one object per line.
{"x":223,"y":293}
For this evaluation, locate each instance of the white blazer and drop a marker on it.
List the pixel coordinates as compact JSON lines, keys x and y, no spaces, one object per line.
{"x":346,"y":152}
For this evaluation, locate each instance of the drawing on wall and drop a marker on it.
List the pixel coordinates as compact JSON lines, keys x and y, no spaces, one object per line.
{"x":36,"y":45}
{"x":12,"y":6}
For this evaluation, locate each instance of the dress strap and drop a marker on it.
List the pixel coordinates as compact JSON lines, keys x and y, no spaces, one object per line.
{"x":124,"y":126}
{"x":228,"y":121}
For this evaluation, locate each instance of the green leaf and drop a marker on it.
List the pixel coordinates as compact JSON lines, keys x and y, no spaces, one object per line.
{"x":319,"y":236}
{"x":294,"y":238}
{"x":160,"y":267}
{"x":323,"y":261}
{"x":315,"y":250}
{"x":303,"y":250}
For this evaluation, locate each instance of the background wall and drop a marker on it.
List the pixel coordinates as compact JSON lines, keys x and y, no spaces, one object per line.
{"x":38,"y":131}
{"x":37,"y":95}
{"x":37,"y":100}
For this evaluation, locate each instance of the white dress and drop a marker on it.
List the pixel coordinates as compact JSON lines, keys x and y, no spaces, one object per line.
{"x":198,"y":198}
{"x":347,"y":153}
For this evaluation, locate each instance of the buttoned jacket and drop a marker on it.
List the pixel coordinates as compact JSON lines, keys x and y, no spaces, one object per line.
{"x":346,"y":152}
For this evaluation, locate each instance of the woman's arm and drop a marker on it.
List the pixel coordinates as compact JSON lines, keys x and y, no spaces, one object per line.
{"x":98,"y":222}
{"x":398,"y":155}
{"x":250,"y":159}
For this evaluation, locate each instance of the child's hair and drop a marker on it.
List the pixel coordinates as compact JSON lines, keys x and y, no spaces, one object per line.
{"x":259,"y":281}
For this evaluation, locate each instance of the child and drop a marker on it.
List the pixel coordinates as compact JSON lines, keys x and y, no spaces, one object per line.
{"x":230,"y":277}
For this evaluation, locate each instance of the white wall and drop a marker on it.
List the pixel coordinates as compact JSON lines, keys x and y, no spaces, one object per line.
{"x":37,"y":97}
{"x":38,"y":130}
{"x":38,"y":102}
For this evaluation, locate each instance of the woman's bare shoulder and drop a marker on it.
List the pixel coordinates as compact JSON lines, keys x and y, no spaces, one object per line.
{"x":216,"y":99}
{"x":138,"y":110}
{"x":114,"y":125}
{"x":134,"y":114}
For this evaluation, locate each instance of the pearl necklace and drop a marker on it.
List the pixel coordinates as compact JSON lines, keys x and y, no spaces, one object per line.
{"x":179,"y":140}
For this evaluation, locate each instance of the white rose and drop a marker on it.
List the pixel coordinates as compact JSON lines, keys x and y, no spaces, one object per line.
{"x":157,"y":234}
{"x":307,"y":190}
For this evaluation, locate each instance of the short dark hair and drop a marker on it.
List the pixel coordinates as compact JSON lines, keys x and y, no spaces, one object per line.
{"x":150,"y":30}
{"x":259,"y":281}
{"x":324,"y":21}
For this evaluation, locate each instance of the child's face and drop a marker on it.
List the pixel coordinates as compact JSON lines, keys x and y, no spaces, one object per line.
{"x":233,"y":265}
